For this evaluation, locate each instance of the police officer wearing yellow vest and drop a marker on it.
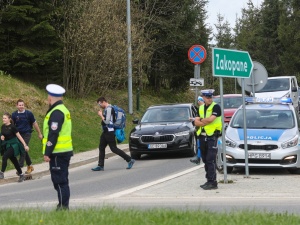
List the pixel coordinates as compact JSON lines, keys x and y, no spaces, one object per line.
{"x":210,"y":127}
{"x":57,"y":143}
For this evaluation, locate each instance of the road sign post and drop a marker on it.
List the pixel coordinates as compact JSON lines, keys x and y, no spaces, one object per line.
{"x":197,"y":55}
{"x":231,"y":63}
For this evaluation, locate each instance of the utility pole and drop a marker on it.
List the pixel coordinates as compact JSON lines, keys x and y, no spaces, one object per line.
{"x":129,"y":59}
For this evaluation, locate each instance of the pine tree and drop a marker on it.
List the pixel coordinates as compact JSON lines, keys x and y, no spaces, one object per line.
{"x":29,"y":47}
{"x":289,"y":35}
{"x":269,"y":47}
{"x":173,"y":27}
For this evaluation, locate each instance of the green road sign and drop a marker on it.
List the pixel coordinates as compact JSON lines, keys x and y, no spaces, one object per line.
{"x":231,"y":63}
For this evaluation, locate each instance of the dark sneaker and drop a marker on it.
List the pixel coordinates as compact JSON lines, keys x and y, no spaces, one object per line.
{"x":210,"y":186}
{"x":130,"y":164}
{"x":1,"y":175}
{"x":204,"y":184}
{"x":98,"y":168}
{"x":195,"y":160}
{"x":21,"y":178}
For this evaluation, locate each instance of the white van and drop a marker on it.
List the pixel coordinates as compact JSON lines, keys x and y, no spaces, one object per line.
{"x":278,"y":87}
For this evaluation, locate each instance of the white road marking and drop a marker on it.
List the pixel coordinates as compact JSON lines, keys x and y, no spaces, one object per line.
{"x":137,"y":188}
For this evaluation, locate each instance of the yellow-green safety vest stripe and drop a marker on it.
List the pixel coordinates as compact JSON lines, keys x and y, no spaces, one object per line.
{"x":64,"y":140}
{"x":213,"y":126}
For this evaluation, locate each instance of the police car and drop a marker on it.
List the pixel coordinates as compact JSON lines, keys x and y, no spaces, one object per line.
{"x":272,"y":127}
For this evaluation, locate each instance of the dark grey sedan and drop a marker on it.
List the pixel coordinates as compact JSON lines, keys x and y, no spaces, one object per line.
{"x":164,"y":128}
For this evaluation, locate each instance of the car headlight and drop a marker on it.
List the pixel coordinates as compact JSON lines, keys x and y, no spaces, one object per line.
{"x":183,"y":133}
{"x":134,"y":135}
{"x":290,"y":143}
{"x":230,"y":143}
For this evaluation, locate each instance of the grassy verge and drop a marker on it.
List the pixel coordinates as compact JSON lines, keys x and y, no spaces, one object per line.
{"x":137,"y":217}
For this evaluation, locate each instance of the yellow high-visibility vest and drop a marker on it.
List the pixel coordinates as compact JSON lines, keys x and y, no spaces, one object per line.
{"x":213,"y":126}
{"x":64,"y":141}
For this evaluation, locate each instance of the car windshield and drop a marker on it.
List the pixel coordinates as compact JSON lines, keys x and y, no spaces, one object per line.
{"x":166,"y":114}
{"x":281,"y":84}
{"x":264,"y":119}
{"x":230,"y":102}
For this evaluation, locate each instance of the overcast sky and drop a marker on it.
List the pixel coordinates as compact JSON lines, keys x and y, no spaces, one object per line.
{"x":229,"y":9}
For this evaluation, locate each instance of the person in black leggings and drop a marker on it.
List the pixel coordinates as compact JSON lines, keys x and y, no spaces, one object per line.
{"x":12,"y":145}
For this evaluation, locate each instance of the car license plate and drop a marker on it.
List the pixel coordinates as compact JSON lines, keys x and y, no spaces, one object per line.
{"x":259,"y":155}
{"x":157,"y":146}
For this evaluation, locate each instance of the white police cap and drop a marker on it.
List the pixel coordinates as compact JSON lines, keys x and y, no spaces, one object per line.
{"x":200,"y":99}
{"x":55,"y":90}
{"x":207,"y":92}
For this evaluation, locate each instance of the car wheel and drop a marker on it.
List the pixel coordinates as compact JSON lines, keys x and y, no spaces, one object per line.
{"x":193,"y":150}
{"x":294,"y":171}
{"x":135,"y":155}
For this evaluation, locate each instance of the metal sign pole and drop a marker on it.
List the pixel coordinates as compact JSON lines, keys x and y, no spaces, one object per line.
{"x":196,"y":88}
{"x":196,"y":76}
{"x":245,"y":130}
{"x":253,"y":84}
{"x":223,"y":133}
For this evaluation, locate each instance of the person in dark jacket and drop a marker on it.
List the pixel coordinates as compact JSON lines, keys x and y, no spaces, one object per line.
{"x":12,"y":145}
{"x":210,"y":128}
{"x":108,"y":135}
{"x":57,"y":144}
{"x":24,"y":121}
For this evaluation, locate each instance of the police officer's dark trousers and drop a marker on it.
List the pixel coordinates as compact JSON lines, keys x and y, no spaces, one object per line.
{"x":59,"y":169}
{"x":108,"y":138}
{"x":209,"y":150}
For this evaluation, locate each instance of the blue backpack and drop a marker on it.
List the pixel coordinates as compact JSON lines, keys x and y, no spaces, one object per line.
{"x":120,"y":123}
{"x":120,"y":117}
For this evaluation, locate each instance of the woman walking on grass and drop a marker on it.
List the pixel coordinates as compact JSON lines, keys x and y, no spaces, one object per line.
{"x":12,"y":145}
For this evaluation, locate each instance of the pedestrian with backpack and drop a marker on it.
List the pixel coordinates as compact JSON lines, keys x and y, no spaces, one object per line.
{"x":24,"y":121}
{"x":108,"y":137}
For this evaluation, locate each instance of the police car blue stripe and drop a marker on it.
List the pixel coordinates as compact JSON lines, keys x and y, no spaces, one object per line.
{"x":258,"y":134}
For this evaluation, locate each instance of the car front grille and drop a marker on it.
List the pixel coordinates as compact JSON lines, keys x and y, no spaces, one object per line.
{"x":260,"y":147}
{"x":162,"y":138}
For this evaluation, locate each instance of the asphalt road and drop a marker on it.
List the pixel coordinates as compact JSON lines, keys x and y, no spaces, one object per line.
{"x":161,"y":182}
{"x":86,"y":184}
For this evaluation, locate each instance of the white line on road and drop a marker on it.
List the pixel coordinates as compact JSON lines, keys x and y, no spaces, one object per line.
{"x":131,"y":190}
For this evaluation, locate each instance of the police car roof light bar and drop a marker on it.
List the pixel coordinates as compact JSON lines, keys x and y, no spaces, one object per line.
{"x":270,"y":100}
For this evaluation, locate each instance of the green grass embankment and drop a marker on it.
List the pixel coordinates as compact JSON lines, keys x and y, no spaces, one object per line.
{"x":86,"y":123}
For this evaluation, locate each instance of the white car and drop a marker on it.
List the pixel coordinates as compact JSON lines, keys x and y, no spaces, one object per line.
{"x":272,"y":136}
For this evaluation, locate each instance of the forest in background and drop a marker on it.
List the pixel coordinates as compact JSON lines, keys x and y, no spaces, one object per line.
{"x":82,"y":44}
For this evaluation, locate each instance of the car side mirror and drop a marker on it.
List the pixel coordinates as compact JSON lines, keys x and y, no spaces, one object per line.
{"x":135,"y":121}
{"x":294,"y":89}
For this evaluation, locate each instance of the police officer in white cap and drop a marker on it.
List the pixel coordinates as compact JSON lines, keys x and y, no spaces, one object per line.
{"x":197,"y":158}
{"x":210,"y":127}
{"x":57,"y":143}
